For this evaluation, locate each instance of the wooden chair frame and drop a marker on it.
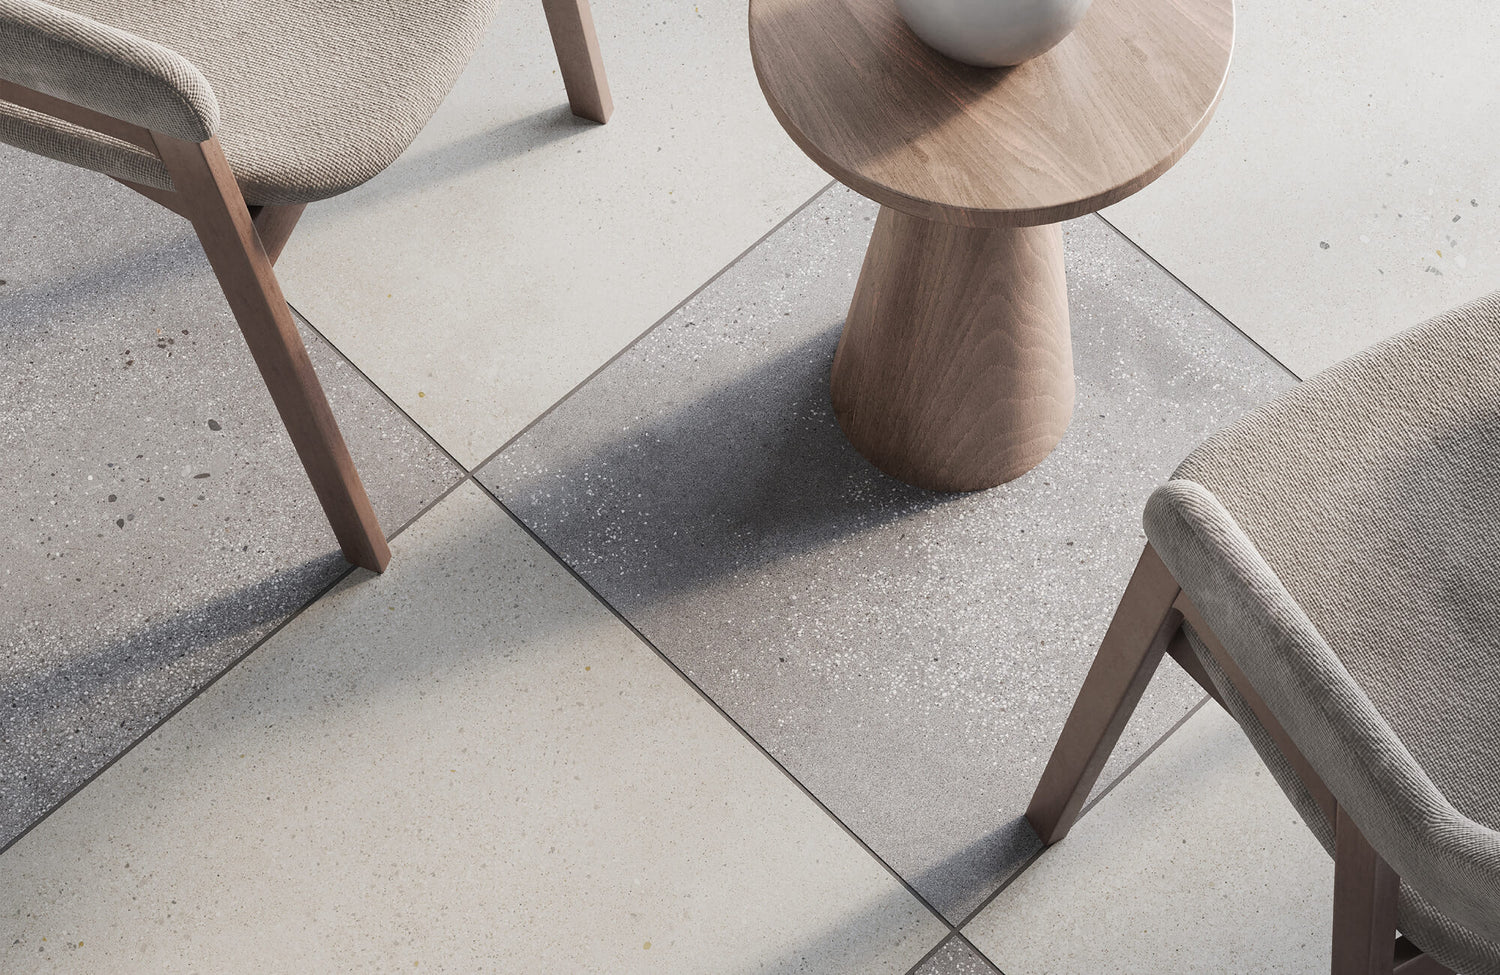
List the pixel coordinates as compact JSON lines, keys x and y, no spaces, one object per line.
{"x":242,"y":244}
{"x":1148,"y":625}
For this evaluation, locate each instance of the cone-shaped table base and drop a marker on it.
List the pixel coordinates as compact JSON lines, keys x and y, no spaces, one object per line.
{"x":955,"y":369}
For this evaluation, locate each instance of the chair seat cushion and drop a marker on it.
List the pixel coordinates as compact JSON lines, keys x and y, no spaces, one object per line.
{"x":1373,"y":493}
{"x":315,"y":97}
{"x":1342,"y":543}
{"x":1450,"y":942}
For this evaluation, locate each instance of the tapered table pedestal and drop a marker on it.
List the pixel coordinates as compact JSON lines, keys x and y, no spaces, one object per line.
{"x":955,"y":368}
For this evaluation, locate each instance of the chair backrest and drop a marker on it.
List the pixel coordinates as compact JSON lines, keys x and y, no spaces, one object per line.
{"x":1453,"y":861}
{"x":111,"y":71}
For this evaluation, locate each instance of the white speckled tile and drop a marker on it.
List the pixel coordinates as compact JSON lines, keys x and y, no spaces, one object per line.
{"x":1347,"y":188}
{"x":465,"y":765}
{"x":909,"y":656}
{"x":156,"y":521}
{"x":1195,"y":864}
{"x":956,"y":957}
{"x":514,"y":248}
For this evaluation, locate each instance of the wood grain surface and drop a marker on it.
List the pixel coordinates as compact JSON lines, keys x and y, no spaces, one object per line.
{"x":1365,"y":892}
{"x":577,"y":45}
{"x":1082,"y":126}
{"x":955,"y":368}
{"x":275,"y":224}
{"x":1143,"y":627}
{"x":212,"y":200}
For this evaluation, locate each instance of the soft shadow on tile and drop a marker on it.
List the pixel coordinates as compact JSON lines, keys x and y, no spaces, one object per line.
{"x":159,"y":522}
{"x":1196,"y":863}
{"x":908,"y":656}
{"x":464,"y":765}
{"x":515,"y":248}
{"x":956,"y":957}
{"x":1347,"y":187}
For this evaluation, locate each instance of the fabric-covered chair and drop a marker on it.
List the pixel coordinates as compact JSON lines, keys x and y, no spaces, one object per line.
{"x":238,"y":113}
{"x":1329,"y":569}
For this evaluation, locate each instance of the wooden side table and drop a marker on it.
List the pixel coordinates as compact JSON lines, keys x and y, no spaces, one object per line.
{"x":955,"y":368}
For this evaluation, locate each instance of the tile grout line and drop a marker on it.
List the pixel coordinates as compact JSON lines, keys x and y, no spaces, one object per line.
{"x":1087,"y":807}
{"x":1015,"y":875}
{"x":930,"y":954}
{"x":958,"y":930}
{"x":468,"y":476}
{"x":653,"y":326}
{"x":955,"y":930}
{"x":343,"y":574}
{"x":313,"y":599}
{"x":1144,"y":755}
{"x":1190,"y":290}
{"x":952,"y":937}
{"x":975,"y":948}
{"x":441,"y":497}
{"x":581,"y":383}
{"x":376,"y":386}
{"x":1205,"y":699}
{"x":716,"y":706}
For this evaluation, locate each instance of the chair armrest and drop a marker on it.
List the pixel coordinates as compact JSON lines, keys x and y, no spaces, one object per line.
{"x":100,"y":67}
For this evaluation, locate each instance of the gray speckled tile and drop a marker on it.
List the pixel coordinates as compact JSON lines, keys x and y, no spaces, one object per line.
{"x":908,"y":656}
{"x":956,"y":957}
{"x":158,"y":523}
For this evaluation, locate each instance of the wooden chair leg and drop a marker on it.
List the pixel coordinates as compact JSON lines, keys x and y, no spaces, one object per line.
{"x":572,"y":26}
{"x":213,"y":203}
{"x":1180,"y":650}
{"x":1365,"y":888}
{"x":1261,"y":710}
{"x":1364,"y":904}
{"x":275,"y":224}
{"x":1143,"y":625}
{"x":1410,"y":960}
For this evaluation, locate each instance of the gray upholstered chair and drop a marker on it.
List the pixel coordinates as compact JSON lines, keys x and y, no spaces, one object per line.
{"x":238,"y":113}
{"x":1329,"y":569}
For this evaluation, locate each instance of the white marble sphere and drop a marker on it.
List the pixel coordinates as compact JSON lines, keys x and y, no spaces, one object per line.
{"x":992,"y":33}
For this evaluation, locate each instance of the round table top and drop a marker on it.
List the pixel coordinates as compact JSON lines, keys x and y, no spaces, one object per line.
{"x":1082,"y":126}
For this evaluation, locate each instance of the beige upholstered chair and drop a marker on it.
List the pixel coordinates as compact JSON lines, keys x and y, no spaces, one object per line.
{"x":238,"y":113}
{"x":1329,"y":569}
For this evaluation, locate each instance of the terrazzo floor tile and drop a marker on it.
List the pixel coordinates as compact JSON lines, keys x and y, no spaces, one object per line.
{"x":514,"y":248}
{"x":1195,"y":863}
{"x":956,"y":957}
{"x":158,"y":523}
{"x":1347,"y":187}
{"x":908,"y":656}
{"x":464,"y":765}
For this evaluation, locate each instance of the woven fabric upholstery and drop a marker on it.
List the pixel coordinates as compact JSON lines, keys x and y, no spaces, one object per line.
{"x":1452,"y":944}
{"x":89,"y":63}
{"x":315,"y":96}
{"x":70,"y":143}
{"x":1342,"y":544}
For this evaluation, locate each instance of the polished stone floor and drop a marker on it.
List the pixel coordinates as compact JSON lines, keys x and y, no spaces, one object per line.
{"x":664,"y":677}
